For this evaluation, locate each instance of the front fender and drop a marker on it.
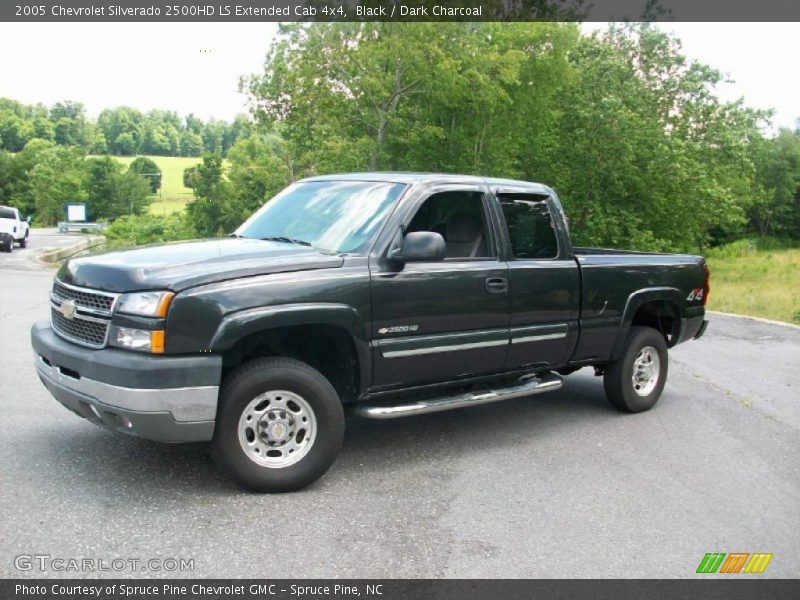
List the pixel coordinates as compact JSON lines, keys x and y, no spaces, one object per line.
{"x":238,"y":325}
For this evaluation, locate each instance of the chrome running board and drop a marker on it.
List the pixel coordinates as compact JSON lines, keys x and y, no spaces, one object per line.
{"x":526,"y":386}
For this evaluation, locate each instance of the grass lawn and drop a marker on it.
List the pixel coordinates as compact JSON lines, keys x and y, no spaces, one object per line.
{"x":761,"y":283}
{"x":173,"y":196}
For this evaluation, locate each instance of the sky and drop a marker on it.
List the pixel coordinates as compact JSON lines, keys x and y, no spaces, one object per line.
{"x":195,"y":67}
{"x":185,"y":67}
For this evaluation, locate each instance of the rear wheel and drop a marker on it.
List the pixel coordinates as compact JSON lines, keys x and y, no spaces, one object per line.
{"x":280,"y":425}
{"x":634,"y":382}
{"x":9,"y":243}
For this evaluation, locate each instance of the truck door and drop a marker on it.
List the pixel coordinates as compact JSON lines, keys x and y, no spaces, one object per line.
{"x":446,"y":319}
{"x":544,"y":279}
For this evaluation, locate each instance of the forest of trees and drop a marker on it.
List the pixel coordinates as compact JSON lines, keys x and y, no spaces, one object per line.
{"x":632,"y":136}
{"x":120,"y":131}
{"x":44,"y":176}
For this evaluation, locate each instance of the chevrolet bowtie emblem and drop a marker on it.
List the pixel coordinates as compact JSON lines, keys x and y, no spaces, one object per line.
{"x":68,"y":309}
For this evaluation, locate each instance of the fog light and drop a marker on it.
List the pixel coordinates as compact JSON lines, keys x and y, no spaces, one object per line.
{"x":124,"y":421}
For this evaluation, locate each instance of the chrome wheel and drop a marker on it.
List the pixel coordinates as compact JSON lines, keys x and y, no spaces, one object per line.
{"x":646,"y":370}
{"x":277,"y":429}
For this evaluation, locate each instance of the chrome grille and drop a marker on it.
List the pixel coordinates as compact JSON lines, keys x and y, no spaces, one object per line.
{"x":90,"y":319}
{"x":80,"y":330}
{"x":99,"y":302}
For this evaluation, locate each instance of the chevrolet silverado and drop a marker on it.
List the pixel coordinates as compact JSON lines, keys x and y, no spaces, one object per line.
{"x":380,"y":294}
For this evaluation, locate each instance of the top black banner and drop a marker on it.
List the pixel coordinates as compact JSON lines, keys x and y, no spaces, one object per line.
{"x":397,"y":10}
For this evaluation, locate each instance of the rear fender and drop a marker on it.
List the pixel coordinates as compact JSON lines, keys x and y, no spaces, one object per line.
{"x":635,"y":301}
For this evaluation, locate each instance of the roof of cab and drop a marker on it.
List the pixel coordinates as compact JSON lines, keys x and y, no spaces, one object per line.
{"x":409,"y":178}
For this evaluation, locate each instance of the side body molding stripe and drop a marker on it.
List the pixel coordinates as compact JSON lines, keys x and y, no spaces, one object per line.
{"x":524,"y":335}
{"x":454,"y":342}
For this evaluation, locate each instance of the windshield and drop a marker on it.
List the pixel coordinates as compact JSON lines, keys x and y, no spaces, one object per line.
{"x":332,"y":216}
{"x":7,"y":213}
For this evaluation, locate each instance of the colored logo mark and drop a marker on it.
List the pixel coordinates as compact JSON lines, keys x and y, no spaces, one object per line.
{"x":735,"y":562}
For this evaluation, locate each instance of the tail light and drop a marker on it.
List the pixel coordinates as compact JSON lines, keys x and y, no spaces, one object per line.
{"x":706,"y":283}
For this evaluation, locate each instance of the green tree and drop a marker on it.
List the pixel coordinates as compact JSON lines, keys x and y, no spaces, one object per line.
{"x":124,"y":144}
{"x":130,"y":194}
{"x":15,"y":132}
{"x":100,"y":185}
{"x":189,"y":176}
{"x":18,"y":185}
{"x":70,"y":127}
{"x":55,"y":180}
{"x":211,"y":192}
{"x":256,"y":172}
{"x":191,"y":144}
{"x":6,"y":177}
{"x":147,"y":168}
{"x":776,"y":203}
{"x":122,"y":128}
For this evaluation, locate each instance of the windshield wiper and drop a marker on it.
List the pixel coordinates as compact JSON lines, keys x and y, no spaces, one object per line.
{"x":285,"y":240}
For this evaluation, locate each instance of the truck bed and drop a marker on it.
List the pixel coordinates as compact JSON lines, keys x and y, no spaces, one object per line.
{"x":583,"y":251}
{"x":609,"y":278}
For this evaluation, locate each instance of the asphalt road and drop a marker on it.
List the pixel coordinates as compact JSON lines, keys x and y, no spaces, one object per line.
{"x":558,"y":485}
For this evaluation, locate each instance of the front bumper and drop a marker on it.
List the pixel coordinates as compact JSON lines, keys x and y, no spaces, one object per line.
{"x":163,"y":398}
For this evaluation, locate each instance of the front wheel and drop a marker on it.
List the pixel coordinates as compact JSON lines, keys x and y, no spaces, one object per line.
{"x":280,"y":425}
{"x":634,"y":382}
{"x":23,"y":243}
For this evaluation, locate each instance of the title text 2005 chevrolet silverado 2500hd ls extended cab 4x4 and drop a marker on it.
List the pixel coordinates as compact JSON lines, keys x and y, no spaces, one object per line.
{"x":391,"y":294}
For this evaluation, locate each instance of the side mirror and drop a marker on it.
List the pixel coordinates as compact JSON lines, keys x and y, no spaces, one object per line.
{"x":28,"y":219}
{"x":423,"y":246}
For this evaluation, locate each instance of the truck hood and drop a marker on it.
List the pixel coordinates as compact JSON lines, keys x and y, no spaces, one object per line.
{"x":182,"y":265}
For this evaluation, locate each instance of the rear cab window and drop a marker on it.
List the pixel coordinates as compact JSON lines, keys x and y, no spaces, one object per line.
{"x":531,"y":229}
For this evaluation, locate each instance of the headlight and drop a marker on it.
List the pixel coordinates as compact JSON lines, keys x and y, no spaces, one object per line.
{"x":139,"y":339}
{"x":145,"y":304}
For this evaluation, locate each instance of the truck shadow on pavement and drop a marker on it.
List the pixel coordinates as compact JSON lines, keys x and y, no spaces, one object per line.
{"x":90,"y":457}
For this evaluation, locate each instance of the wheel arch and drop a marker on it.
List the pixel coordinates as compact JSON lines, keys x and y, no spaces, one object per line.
{"x":661,"y":308}
{"x":329,"y":337}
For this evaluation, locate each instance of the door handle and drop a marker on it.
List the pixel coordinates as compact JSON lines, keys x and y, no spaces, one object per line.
{"x":497,"y":285}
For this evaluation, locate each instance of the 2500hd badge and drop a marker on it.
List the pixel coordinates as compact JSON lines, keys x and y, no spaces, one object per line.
{"x":380,"y":294}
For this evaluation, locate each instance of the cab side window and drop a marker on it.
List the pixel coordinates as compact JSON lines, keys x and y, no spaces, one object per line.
{"x":530,"y":228}
{"x":459,"y":217}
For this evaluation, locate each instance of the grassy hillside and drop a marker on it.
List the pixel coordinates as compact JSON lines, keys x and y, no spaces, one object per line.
{"x":758,"y":282}
{"x":173,"y":196}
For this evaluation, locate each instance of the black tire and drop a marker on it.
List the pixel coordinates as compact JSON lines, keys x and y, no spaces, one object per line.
{"x":263,"y":375}
{"x":10,"y":243}
{"x":618,"y":379}
{"x":23,"y":243}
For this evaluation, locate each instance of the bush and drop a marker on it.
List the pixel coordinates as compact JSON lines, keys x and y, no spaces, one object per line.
{"x":749,"y":246}
{"x":147,"y":229}
{"x":147,"y":168}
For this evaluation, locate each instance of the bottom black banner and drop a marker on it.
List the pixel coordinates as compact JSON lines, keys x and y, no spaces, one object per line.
{"x":395,"y":589}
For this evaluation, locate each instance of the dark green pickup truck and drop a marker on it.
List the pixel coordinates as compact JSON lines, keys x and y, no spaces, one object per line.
{"x":382,"y":294}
